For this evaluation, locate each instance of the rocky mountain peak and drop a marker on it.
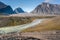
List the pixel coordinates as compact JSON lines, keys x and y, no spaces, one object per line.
{"x":18,"y":10}
{"x":45,"y":3}
{"x":47,"y":8}
{"x":2,"y":5}
{"x":5,"y":9}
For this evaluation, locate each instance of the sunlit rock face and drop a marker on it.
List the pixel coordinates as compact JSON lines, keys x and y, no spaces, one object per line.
{"x":47,"y":8}
{"x":5,"y":9}
{"x":18,"y":10}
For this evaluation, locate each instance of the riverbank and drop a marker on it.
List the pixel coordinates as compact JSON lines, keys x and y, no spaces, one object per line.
{"x":51,"y":24}
{"x":14,"y":21}
{"x":19,"y":28}
{"x":6,"y":21}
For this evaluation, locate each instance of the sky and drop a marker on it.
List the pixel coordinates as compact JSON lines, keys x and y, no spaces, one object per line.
{"x":27,"y":5}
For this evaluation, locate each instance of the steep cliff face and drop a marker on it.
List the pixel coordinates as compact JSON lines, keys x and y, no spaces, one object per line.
{"x":5,"y":9}
{"x":18,"y":10}
{"x":46,"y":8}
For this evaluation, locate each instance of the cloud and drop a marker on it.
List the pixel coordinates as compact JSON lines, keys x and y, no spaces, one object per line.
{"x":47,"y":0}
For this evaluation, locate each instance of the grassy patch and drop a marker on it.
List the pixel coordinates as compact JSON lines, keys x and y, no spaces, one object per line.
{"x":51,"y":24}
{"x":13,"y":21}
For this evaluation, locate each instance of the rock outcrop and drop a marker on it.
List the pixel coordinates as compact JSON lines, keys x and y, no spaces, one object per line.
{"x":46,"y":35}
{"x":47,"y":8}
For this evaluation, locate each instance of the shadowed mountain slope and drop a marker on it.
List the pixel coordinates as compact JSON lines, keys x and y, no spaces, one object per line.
{"x":18,"y":10}
{"x":5,"y":9}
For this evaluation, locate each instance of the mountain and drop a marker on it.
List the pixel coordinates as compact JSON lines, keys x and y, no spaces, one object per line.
{"x":47,"y":8}
{"x":2,"y":5}
{"x":5,"y":9}
{"x":18,"y":10}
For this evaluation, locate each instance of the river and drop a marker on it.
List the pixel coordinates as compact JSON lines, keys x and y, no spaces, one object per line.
{"x":19,"y":28}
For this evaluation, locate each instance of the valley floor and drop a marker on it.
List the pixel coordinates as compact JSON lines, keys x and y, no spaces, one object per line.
{"x":50,"y":24}
{"x":47,"y":30}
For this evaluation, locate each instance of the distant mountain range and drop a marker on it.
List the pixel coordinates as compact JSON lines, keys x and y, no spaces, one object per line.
{"x":18,"y":10}
{"x":6,"y":9}
{"x":46,"y":8}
